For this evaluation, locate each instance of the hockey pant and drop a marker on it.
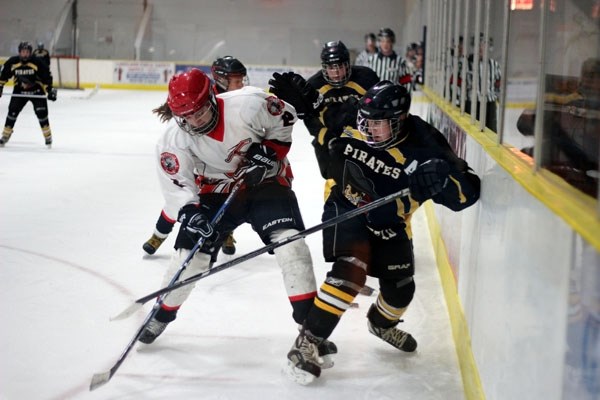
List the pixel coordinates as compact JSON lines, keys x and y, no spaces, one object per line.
{"x":16,"y":105}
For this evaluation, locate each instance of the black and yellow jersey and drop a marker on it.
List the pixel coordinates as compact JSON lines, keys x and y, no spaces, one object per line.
{"x":31,"y":75}
{"x":363,"y":174}
{"x":337,"y":110}
{"x":42,"y":54}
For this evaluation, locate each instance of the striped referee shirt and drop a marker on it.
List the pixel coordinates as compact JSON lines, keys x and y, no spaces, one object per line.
{"x":493,"y":79}
{"x":392,"y":68}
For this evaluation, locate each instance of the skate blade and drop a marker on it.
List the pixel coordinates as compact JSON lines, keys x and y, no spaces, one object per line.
{"x":298,"y":375}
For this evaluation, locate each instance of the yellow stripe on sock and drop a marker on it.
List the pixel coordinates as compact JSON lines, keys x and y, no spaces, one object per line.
{"x":327,"y":307}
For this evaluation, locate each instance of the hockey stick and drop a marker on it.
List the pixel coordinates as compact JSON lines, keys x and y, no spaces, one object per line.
{"x":31,"y":96}
{"x":100,"y":379}
{"x":334,"y":221}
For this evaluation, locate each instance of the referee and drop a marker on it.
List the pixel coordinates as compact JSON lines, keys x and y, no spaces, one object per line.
{"x":492,"y":83}
{"x":387,"y":64}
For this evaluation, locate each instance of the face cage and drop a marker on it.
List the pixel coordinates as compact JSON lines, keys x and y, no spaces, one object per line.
{"x":338,"y":83}
{"x":223,"y":82}
{"x":206,"y":128}
{"x":395,"y":125}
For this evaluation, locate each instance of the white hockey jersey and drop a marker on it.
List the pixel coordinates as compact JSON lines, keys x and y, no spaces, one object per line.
{"x":189,"y":165}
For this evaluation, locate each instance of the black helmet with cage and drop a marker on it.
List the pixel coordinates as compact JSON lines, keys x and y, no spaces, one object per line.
{"x":25,"y":46}
{"x":225,"y":67}
{"x":334,"y":56}
{"x":383,"y":105}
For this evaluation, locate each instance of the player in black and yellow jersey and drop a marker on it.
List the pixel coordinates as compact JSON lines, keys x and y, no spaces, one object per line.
{"x":390,"y":151}
{"x":329,"y":95}
{"x":33,"y":82}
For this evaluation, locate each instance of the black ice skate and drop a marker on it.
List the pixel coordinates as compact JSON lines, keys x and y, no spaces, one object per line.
{"x":394,"y":336}
{"x":303,"y":359}
{"x":153,"y":244}
{"x":4,"y":140}
{"x":229,"y":245}
{"x":152,"y":331}
{"x":49,"y":142}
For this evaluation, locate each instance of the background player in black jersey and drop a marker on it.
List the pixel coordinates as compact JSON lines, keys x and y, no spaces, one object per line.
{"x":327,"y":101}
{"x":31,"y":78}
{"x":41,"y":53}
{"x":228,"y":74}
{"x":391,"y":150}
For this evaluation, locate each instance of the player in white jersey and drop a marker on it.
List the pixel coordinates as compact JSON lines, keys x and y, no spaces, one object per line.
{"x":214,"y":140}
{"x":228,"y":74}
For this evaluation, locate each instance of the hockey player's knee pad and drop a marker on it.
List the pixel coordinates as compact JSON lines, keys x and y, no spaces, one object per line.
{"x":398,"y":292}
{"x":296,"y":264}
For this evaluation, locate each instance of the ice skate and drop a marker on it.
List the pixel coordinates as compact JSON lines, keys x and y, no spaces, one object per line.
{"x":394,"y":336}
{"x":303,"y":364}
{"x":153,"y":244}
{"x":49,"y":142}
{"x":152,"y":331}
{"x":4,"y":140}
{"x":229,"y":245}
{"x":327,"y":350}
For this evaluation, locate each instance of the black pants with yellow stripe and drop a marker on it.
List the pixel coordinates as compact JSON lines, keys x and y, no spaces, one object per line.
{"x":357,"y":251}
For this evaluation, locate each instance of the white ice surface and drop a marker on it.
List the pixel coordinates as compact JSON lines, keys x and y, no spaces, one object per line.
{"x":72,"y":223}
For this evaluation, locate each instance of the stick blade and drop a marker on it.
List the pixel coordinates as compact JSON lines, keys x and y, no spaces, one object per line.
{"x":99,"y":380}
{"x":128,"y":312}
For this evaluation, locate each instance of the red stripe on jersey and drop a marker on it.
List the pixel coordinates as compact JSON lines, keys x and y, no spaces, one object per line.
{"x":219,"y":132}
{"x":280,"y":148}
{"x":304,"y":296}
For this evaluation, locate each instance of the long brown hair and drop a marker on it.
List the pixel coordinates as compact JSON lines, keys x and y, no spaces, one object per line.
{"x":164,"y":112}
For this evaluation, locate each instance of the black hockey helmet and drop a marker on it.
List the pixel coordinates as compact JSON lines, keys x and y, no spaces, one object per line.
{"x":334,"y":54}
{"x":385,"y":101}
{"x":387,"y":32}
{"x":225,"y":67}
{"x":40,"y":45}
{"x":25,"y":46}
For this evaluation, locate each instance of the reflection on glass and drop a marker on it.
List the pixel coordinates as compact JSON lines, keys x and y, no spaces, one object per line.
{"x":571,"y":126}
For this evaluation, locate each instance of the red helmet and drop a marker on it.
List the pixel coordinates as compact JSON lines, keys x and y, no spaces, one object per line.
{"x":188,"y":93}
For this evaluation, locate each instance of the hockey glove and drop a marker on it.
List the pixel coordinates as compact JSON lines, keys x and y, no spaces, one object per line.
{"x":260,"y":160}
{"x":429,"y":179}
{"x":51,"y":94}
{"x":196,"y":224}
{"x":293,"y":89}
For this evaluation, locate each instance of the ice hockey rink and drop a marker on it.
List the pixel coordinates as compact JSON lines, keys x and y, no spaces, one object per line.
{"x":72,"y":223}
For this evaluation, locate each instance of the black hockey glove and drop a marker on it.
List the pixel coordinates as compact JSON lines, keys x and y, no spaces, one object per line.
{"x":51,"y":94}
{"x":429,"y":179}
{"x":196,"y":224}
{"x":294,"y":89}
{"x":260,"y":160}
